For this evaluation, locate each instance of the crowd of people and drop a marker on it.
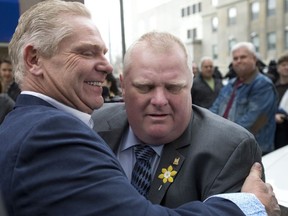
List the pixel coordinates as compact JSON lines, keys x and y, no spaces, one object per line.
{"x":154,"y":153}
{"x":252,"y":97}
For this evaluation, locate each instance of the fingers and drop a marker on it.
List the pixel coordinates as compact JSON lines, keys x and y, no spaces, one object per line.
{"x":270,"y":188}
{"x":263,"y":191}
{"x":272,"y":207}
{"x":253,"y":183}
{"x":256,"y":170}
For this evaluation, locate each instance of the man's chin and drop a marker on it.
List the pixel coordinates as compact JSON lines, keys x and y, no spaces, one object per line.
{"x":99,"y":104}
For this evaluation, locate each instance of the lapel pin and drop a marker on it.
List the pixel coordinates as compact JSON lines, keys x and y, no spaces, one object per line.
{"x":176,"y":161}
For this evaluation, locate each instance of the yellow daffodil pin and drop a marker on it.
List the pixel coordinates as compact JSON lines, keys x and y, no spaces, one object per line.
{"x":167,"y":174}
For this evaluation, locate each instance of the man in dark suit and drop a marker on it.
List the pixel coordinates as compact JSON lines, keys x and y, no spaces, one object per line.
{"x":210,"y":154}
{"x":51,"y":161}
{"x":206,"y":86}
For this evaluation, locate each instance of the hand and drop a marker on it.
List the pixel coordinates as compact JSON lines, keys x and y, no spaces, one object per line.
{"x":263,"y":191}
{"x":279,"y":118}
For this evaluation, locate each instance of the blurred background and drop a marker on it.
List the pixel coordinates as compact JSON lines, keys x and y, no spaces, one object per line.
{"x":208,"y":27}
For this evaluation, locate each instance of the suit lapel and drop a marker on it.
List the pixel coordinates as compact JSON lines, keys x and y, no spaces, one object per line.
{"x":114,"y":128}
{"x":170,"y":157}
{"x":170,"y":154}
{"x":112,"y":141}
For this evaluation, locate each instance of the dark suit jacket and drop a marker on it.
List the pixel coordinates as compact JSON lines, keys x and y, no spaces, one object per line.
{"x":53,"y":164}
{"x":215,"y":155}
{"x":202,"y":94}
{"x":6,"y":105}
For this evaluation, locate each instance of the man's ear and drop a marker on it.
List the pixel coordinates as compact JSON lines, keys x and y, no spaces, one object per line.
{"x":31,"y":60}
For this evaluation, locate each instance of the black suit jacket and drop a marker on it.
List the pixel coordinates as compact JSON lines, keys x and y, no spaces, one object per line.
{"x":212,"y":156}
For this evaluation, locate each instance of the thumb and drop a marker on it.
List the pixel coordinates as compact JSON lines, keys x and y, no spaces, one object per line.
{"x":256,"y":170}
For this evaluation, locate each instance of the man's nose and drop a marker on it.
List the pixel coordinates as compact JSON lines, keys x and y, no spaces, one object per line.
{"x":105,"y":66}
{"x":159,"y":97}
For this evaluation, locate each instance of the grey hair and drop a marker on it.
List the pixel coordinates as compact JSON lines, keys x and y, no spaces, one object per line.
{"x":204,"y":59}
{"x":43,"y":26}
{"x":249,"y":46}
{"x":159,"y":42}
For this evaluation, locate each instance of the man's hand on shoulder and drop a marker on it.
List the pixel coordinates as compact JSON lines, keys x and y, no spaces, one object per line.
{"x":263,"y":191}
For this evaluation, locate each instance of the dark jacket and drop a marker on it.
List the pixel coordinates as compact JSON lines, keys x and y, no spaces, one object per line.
{"x":202,"y":94}
{"x":207,"y":154}
{"x":53,"y":164}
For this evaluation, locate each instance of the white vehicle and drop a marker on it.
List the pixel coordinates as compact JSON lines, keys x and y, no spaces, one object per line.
{"x":275,"y":165}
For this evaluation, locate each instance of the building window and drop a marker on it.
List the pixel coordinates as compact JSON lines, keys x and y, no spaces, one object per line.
{"x":192,"y":34}
{"x":199,"y":7}
{"x":286,"y":39}
{"x":286,"y":6}
{"x":271,"y":7}
{"x":182,"y":12}
{"x":271,"y":41}
{"x":255,"y":7}
{"x":188,"y":10}
{"x":194,"y":31}
{"x":194,"y":8}
{"x":255,"y":41}
{"x":214,"y":23}
{"x":231,"y":44}
{"x":214,"y":2}
{"x":232,"y":14}
{"x":215,"y":52}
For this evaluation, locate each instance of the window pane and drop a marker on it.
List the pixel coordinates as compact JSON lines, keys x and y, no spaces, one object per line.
{"x":255,"y":41}
{"x":199,"y":7}
{"x":215,"y":24}
{"x":271,"y":41}
{"x":194,"y":33}
{"x":271,"y":7}
{"x":231,"y":43}
{"x":189,"y":34}
{"x":188,"y":11}
{"x":286,"y":6}
{"x":215,"y":52}
{"x":255,"y":10}
{"x":183,"y":12}
{"x":232,"y":13}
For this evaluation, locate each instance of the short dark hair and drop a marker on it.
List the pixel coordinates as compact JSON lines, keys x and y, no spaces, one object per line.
{"x":283,"y":58}
{"x":5,"y":60}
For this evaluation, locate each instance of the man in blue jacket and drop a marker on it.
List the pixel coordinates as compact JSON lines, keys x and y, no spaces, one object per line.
{"x":250,"y":98}
{"x":51,"y":161}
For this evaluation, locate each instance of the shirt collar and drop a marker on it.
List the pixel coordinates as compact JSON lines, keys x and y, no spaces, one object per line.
{"x":86,"y":118}
{"x":131,"y":140}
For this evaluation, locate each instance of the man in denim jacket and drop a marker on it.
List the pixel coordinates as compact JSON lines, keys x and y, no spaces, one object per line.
{"x":249,"y":99}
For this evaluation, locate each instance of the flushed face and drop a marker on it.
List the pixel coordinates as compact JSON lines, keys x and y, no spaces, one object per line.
{"x":207,"y":69}
{"x":74,"y":76}
{"x":156,"y":89}
{"x":244,"y":63}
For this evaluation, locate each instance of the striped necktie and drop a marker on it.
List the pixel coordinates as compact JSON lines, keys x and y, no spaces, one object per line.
{"x":142,"y":173}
